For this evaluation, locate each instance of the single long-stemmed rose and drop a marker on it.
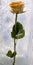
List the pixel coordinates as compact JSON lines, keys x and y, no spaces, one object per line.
{"x":17,"y":31}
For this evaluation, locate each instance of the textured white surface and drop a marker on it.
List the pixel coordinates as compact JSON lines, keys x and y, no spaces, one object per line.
{"x":25,"y":45}
{"x":19,"y":61}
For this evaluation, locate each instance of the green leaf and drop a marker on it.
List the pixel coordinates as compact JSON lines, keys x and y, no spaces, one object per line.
{"x":14,"y":54}
{"x":16,"y":30}
{"x":18,"y":27}
{"x":20,"y":35}
{"x":9,"y":54}
{"x":13,"y":34}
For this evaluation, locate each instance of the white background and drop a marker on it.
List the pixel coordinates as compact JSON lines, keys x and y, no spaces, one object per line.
{"x":25,"y":45}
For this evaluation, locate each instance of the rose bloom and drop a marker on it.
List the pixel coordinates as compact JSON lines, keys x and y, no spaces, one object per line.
{"x":17,"y":7}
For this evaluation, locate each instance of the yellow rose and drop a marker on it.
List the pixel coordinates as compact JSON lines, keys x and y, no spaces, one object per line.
{"x":17,"y":7}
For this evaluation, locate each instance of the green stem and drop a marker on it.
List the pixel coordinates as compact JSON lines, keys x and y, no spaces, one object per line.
{"x":15,"y":41}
